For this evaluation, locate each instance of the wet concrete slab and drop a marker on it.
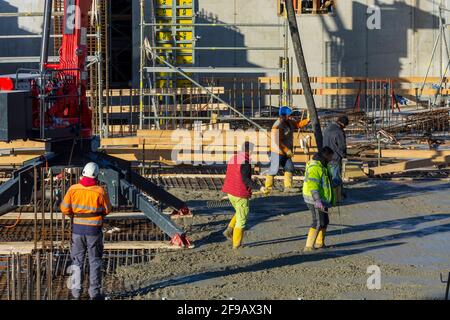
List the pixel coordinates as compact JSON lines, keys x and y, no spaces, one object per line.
{"x":402,"y":227}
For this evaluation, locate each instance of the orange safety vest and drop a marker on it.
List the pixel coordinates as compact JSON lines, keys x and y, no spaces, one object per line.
{"x":282,"y":135}
{"x":88,"y":205}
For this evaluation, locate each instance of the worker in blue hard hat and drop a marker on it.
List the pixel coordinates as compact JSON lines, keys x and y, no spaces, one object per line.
{"x":282,"y":149}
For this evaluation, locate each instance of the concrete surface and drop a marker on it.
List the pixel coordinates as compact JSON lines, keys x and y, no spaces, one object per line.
{"x":403,"y":228}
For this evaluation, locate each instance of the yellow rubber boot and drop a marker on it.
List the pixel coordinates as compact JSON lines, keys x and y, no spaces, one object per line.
{"x":320,"y":241}
{"x":228,"y":233}
{"x":232,"y":223}
{"x":288,"y":183}
{"x":269,"y":183}
{"x":312,"y":235}
{"x":238,"y":234}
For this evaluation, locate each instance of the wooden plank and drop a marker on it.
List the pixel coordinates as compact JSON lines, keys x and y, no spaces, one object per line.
{"x":149,"y":245}
{"x":353,"y":171}
{"x":159,"y":145}
{"x":28,"y":247}
{"x":334,"y":80}
{"x":15,"y":160}
{"x":408,"y":165}
{"x":126,"y":141}
{"x":219,"y":176}
{"x":408,"y":154}
{"x":187,"y":91}
{"x":58,"y":215}
{"x":17,"y":144}
{"x":179,"y":107}
{"x":351,"y":92}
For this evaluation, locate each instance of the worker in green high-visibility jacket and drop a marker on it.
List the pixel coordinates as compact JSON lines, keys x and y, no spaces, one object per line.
{"x":319,"y":196}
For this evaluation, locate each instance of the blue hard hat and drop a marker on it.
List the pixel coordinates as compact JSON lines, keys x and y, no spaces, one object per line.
{"x":285,"y":111}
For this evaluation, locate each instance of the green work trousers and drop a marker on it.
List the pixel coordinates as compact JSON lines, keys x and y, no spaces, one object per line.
{"x":242,"y":208}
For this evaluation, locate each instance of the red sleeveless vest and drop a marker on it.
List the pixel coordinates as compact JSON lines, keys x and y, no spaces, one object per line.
{"x":233,"y":180}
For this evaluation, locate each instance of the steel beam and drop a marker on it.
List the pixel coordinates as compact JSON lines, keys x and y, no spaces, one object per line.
{"x":8,"y":194}
{"x":34,"y":59}
{"x":214,"y":70}
{"x":45,"y":35}
{"x":18,"y":191}
{"x":150,"y":210}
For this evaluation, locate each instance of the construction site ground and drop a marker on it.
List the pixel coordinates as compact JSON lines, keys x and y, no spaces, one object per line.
{"x":402,"y":227}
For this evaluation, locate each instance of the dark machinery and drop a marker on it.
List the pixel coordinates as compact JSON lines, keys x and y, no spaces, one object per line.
{"x":50,"y":105}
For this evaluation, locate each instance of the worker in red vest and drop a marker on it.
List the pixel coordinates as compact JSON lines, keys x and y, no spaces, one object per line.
{"x":238,"y":185}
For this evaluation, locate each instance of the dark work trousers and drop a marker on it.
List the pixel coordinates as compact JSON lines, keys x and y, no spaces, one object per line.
{"x":336,"y":173}
{"x":93,"y":246}
{"x":318,"y":216}
{"x":279,"y":160}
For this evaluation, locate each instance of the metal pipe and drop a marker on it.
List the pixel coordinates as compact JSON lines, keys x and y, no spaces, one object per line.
{"x":30,"y":36}
{"x":142,"y":63}
{"x":223,"y":48}
{"x":277,"y":25}
{"x":103,"y":130}
{"x":27,"y":14}
{"x":303,"y":71}
{"x":46,"y":34}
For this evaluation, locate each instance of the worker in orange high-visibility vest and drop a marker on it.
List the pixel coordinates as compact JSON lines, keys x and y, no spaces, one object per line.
{"x":282,"y":149}
{"x":87,"y":204}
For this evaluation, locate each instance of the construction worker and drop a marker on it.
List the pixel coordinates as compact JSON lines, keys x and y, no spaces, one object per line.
{"x":238,"y":185}
{"x":319,"y":197}
{"x":87,"y":203}
{"x":334,"y":137}
{"x":282,"y":149}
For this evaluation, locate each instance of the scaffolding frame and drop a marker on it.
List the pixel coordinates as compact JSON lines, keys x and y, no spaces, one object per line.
{"x":147,"y":89}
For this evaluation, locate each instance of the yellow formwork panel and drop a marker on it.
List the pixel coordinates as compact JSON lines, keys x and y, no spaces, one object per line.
{"x":163,"y":36}
{"x":162,"y":12}
{"x":184,"y":2}
{"x":185,"y":59}
{"x":185,"y":54}
{"x":163,"y":83}
{"x":185,"y":45}
{"x":184,"y":35}
{"x":165,"y":2}
{"x":185,"y":21}
{"x":182,"y":13}
{"x":183,"y":83}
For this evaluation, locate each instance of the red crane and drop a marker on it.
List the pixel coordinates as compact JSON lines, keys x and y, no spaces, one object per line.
{"x":58,"y":90}
{"x":54,"y":100}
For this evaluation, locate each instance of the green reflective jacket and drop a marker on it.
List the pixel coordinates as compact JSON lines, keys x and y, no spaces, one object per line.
{"x":318,"y":181}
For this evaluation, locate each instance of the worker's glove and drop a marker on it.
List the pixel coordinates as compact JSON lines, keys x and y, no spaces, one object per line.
{"x":264,"y":190}
{"x":319,"y":205}
{"x":290,"y":153}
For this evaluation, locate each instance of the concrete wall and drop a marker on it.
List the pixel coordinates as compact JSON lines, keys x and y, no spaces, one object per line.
{"x":337,"y":45}
{"x":19,"y":26}
{"x":334,"y":45}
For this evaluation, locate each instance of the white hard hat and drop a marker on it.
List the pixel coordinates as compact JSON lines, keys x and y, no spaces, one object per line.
{"x":91,"y":170}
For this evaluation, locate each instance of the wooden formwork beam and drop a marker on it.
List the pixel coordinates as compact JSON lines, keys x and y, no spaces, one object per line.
{"x":7,"y":248}
{"x":197,"y":146}
{"x":409,"y":165}
{"x":408,"y":154}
